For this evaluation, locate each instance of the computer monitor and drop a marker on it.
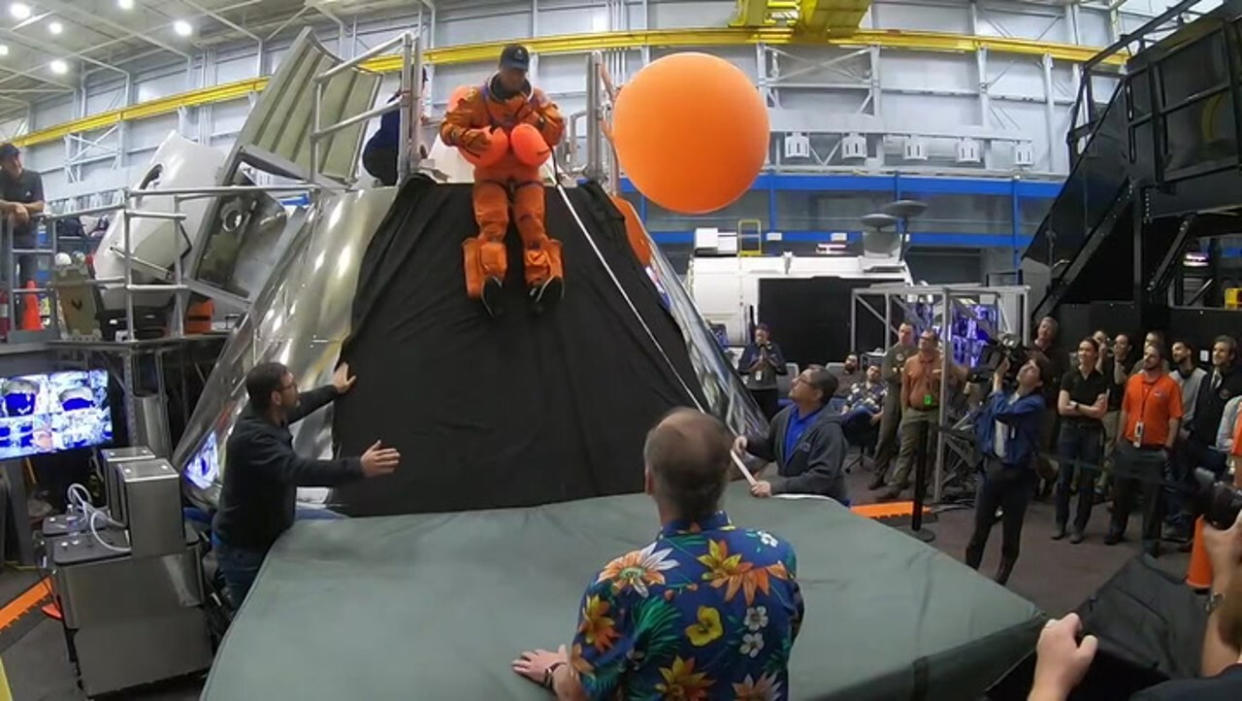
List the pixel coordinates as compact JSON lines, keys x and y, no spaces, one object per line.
{"x":54,"y":412}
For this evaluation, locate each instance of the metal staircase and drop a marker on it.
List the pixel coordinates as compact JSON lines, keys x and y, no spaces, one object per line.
{"x":1154,"y":169}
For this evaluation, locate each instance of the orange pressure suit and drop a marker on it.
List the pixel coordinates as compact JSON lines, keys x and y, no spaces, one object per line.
{"x":479,"y":112}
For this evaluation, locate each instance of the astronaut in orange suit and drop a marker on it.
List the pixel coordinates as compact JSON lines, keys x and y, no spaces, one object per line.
{"x":503,"y":102}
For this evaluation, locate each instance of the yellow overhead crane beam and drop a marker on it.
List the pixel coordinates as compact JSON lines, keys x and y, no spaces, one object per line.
{"x":831,"y":16}
{"x":814,"y":17}
{"x":580,"y":43}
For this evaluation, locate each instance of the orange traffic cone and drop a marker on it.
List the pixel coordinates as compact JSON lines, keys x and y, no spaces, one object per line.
{"x":31,"y":321}
{"x":1199,"y":574}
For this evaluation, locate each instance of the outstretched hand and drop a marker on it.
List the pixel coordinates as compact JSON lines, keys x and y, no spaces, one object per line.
{"x":1061,"y":661}
{"x":342,"y":380}
{"x":379,"y":461}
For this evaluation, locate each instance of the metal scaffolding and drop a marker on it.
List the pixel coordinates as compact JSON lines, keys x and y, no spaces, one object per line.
{"x":1013,"y":313}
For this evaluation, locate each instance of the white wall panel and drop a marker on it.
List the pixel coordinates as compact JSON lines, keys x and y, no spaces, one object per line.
{"x":914,"y":112}
{"x":228,"y":117}
{"x":150,"y":133}
{"x":906,"y":69}
{"x":51,"y":113}
{"x":1049,"y":27}
{"x":938,"y":19}
{"x":678,"y":15}
{"x":1016,"y":75}
{"x":469,"y":21}
{"x":236,"y":68}
{"x":1093,"y":28}
{"x":45,"y":157}
{"x":105,"y":100}
{"x":490,"y":22}
{"x":163,"y":86}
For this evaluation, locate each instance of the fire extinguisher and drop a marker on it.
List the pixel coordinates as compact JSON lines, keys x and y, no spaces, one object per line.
{"x":4,"y":314}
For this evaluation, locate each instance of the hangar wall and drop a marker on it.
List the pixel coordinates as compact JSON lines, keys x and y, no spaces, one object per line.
{"x":1002,"y":101}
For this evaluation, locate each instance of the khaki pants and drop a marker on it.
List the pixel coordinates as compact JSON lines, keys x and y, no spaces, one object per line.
{"x":913,"y":422}
{"x":886,"y":445}
{"x":1112,"y":421}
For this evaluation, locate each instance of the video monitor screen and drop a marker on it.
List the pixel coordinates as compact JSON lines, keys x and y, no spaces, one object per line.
{"x":54,"y":412}
{"x":204,"y":467}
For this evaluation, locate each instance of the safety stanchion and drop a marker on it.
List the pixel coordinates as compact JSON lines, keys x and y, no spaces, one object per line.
{"x":920,"y":486}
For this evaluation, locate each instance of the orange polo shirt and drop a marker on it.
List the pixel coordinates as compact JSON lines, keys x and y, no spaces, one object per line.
{"x":1155,"y":402}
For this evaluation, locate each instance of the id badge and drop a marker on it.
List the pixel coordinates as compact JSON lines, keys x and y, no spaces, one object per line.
{"x":1138,"y":435}
{"x":928,"y":400}
{"x":759,"y":376}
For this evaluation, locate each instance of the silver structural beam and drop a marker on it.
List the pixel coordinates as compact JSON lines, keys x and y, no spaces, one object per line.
{"x":68,"y":8}
{"x":235,"y":27}
{"x":360,"y":117}
{"x":362,"y":57}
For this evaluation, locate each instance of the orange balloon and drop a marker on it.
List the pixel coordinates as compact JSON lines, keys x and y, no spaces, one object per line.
{"x":528,"y":145}
{"x":455,"y":97}
{"x":496,"y":150}
{"x":691,"y":132}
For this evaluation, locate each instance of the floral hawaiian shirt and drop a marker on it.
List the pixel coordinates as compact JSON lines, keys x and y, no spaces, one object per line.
{"x":707,"y":611}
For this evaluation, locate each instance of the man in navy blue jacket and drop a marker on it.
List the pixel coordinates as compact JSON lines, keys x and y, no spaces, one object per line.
{"x":1008,"y":433}
{"x":805,"y":440}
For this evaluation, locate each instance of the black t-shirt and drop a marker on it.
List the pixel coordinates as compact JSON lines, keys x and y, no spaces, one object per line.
{"x":1226,"y":686}
{"x":1116,"y":391}
{"x":1084,"y":390}
{"x":25,"y":188}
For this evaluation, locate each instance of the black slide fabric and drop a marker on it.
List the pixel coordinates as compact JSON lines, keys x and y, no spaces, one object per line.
{"x":518,"y":411}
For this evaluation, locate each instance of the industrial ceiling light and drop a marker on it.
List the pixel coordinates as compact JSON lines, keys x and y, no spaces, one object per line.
{"x":19,"y":10}
{"x":125,"y":4}
{"x":183,"y":28}
{"x":4,"y":49}
{"x":55,"y":27}
{"x":59,"y":67}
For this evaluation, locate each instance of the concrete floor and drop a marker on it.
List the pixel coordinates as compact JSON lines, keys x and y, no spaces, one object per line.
{"x":1057,"y":576}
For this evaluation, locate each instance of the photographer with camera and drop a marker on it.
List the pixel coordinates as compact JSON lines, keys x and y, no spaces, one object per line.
{"x":1151,"y":414}
{"x":1063,"y":661}
{"x":1008,"y":435}
{"x":760,"y":363}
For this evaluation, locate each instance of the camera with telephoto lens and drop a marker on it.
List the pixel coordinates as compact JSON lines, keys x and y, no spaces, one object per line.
{"x":994,"y":352}
{"x":1218,"y":502}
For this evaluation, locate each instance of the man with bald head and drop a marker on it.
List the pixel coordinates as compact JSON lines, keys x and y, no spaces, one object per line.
{"x":706,"y":610}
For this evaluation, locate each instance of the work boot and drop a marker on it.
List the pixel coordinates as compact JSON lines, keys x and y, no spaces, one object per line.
{"x":1077,"y":537}
{"x":1112,"y":538}
{"x":1059,"y":533}
{"x":877,"y":483}
{"x":1003,"y":571}
{"x":545,"y":296}
{"x":492,"y":292}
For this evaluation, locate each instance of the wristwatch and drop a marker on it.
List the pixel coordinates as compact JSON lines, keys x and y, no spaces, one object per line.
{"x":1213,"y":602}
{"x":549,"y":675}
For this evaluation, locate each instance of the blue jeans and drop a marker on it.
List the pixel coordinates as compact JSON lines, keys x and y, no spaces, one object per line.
{"x":1084,"y":444}
{"x":240,"y":566}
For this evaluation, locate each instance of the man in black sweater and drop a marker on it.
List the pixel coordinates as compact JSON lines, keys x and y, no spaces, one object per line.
{"x":262,"y":473}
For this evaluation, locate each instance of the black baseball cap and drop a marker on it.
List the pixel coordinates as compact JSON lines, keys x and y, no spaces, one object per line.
{"x":8,"y":150}
{"x":515,"y":56}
